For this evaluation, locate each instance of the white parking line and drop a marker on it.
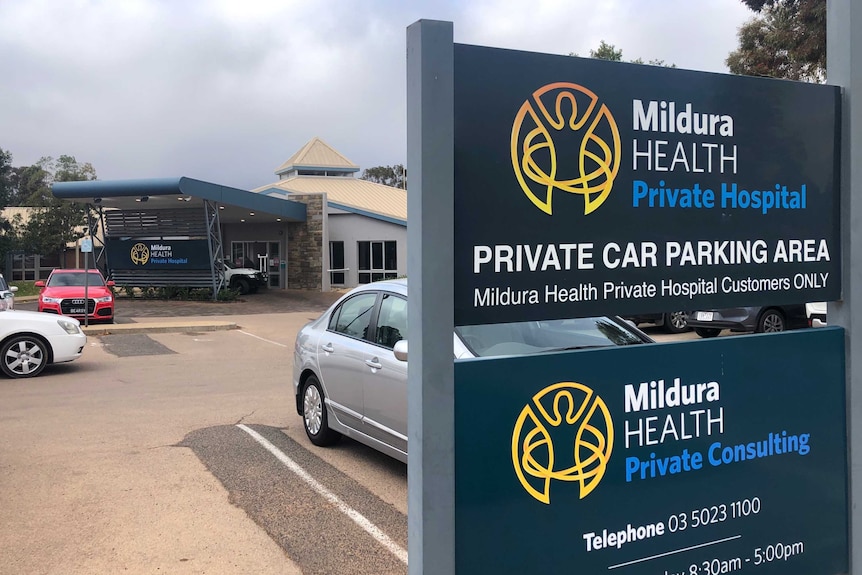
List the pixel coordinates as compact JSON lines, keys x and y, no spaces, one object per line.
{"x":354,"y":515}
{"x":262,"y":338}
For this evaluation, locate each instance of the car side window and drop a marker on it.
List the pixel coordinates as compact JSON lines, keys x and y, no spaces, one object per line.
{"x":354,"y":315}
{"x":391,"y":321}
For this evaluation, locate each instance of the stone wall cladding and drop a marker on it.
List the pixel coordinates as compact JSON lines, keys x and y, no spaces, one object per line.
{"x":305,"y":245}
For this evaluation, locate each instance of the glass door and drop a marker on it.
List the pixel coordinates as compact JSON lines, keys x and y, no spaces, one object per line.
{"x":276,"y":267}
{"x":261,"y":256}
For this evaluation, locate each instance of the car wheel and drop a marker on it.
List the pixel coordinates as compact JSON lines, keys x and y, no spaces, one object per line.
{"x":771,"y":322}
{"x":24,"y":356}
{"x":243,"y":286}
{"x":707,"y":331}
{"x":676,"y":322}
{"x":314,"y":417}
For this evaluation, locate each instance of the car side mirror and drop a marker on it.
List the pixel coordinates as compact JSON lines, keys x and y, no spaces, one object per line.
{"x":400,"y":350}
{"x":13,"y":289}
{"x":39,"y":283}
{"x":110,"y":283}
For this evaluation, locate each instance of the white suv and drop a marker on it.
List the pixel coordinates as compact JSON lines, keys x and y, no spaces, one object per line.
{"x":244,"y":280}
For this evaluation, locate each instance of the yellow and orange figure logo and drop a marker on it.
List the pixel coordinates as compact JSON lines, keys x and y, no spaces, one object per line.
{"x":557,"y":112}
{"x":140,"y":254}
{"x":583,"y":459}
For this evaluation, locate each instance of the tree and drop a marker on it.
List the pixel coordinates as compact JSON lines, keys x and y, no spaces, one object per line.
{"x":53,"y":222}
{"x":611,"y":53}
{"x":785,"y":39}
{"x":6,"y":173}
{"x":395,"y":176}
{"x":31,"y":185}
{"x":6,"y":191}
{"x":607,"y":51}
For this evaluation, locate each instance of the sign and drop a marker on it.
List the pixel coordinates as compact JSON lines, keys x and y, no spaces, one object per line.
{"x":87,"y":245}
{"x":147,"y":254}
{"x":718,"y":456}
{"x":586,"y":187}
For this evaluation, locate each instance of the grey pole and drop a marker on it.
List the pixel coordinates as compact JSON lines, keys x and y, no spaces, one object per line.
{"x":844,"y":68}
{"x":430,"y":405}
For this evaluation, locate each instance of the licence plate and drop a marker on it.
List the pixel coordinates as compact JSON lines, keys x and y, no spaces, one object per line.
{"x":77,"y":310}
{"x":704,"y":316}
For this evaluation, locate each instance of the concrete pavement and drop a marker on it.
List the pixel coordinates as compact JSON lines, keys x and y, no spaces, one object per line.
{"x":138,"y":315}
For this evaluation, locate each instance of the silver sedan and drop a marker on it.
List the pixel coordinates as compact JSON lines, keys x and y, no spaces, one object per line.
{"x":350,"y":369}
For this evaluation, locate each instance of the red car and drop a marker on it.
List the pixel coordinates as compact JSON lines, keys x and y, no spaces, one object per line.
{"x":63,"y":293}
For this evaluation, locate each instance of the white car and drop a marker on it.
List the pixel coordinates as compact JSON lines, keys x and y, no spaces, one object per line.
{"x":30,"y":340}
{"x":816,"y":312}
{"x":243,"y":279}
{"x":7,"y":292}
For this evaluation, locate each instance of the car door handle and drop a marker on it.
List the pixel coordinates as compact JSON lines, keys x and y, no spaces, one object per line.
{"x":327,"y":347}
{"x":373,"y":363}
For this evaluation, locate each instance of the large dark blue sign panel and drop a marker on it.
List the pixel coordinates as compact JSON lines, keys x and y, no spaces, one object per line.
{"x":716,"y":456}
{"x":158,"y":254}
{"x":586,"y":187}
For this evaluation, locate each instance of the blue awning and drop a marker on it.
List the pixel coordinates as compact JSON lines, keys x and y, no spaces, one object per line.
{"x":162,"y":193}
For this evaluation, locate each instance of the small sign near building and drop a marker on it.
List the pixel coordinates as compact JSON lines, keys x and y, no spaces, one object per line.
{"x":586,"y":187}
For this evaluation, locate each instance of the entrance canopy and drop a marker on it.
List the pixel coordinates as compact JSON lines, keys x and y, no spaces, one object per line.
{"x":168,"y":232}
{"x":235,"y":205}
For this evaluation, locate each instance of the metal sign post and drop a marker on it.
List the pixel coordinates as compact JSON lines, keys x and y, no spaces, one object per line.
{"x":430,"y":371}
{"x":844,"y":68}
{"x":87,"y":249}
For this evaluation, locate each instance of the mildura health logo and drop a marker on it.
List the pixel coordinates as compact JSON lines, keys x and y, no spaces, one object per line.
{"x":564,"y":139}
{"x":564,"y":435}
{"x":140,"y":254}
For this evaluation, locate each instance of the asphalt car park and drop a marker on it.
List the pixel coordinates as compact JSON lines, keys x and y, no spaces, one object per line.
{"x":130,"y":460}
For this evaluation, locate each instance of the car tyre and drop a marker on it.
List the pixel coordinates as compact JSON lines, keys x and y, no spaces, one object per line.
{"x":24,"y":356}
{"x":243,"y":286}
{"x":314,"y":416}
{"x":707,"y":331}
{"x":772,"y":321}
{"x":676,"y":322}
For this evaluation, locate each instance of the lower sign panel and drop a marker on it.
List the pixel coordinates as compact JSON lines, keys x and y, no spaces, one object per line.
{"x":696,"y":458}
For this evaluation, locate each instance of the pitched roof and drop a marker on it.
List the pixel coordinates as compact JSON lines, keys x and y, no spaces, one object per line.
{"x":317,"y":154}
{"x":350,"y":194}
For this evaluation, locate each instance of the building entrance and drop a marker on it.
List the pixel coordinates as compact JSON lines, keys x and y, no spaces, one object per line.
{"x":264,"y":256}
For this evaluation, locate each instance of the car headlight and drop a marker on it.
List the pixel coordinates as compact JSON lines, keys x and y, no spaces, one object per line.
{"x":51,"y":299}
{"x":68,"y":326}
{"x":105,"y":299}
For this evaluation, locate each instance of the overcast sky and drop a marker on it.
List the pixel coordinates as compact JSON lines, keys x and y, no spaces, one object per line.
{"x":226,"y":90}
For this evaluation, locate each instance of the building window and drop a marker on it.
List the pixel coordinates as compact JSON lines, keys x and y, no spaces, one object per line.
{"x":27,"y":267}
{"x":336,"y":263}
{"x":377,"y":261}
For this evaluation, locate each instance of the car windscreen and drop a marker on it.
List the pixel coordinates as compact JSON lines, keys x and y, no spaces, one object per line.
{"x":72,"y":279}
{"x":547,"y":335}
